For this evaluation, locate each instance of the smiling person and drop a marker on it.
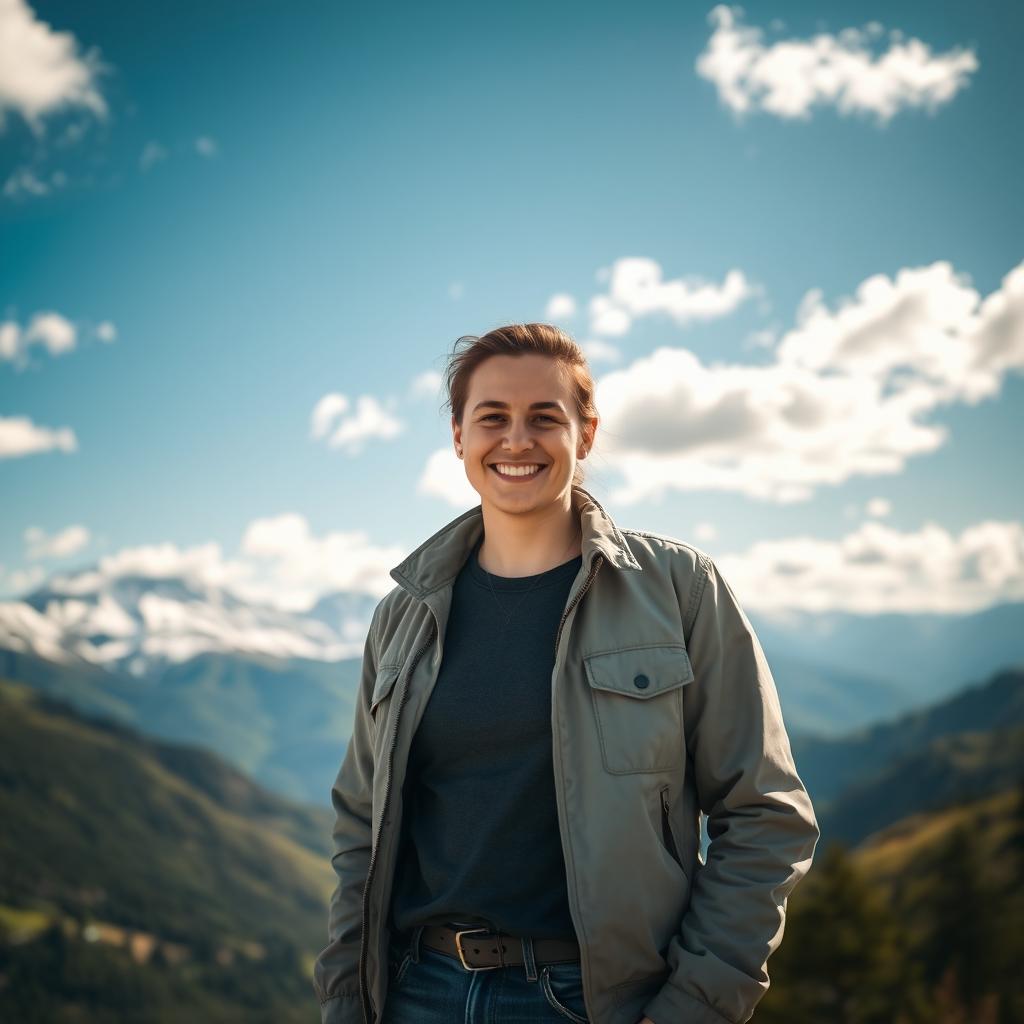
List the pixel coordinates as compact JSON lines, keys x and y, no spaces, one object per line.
{"x":548,"y":701}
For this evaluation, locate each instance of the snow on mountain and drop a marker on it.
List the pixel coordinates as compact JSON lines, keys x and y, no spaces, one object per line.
{"x":139,"y":624}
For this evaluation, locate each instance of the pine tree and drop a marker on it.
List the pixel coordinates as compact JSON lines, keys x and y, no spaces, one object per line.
{"x":844,"y":958}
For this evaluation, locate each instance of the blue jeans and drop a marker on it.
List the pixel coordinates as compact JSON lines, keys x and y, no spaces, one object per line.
{"x":429,"y":987}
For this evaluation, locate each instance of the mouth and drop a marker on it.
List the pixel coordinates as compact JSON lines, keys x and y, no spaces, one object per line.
{"x":518,"y":478}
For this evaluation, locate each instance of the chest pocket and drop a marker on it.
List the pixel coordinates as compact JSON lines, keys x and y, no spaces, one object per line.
{"x":637,"y":695}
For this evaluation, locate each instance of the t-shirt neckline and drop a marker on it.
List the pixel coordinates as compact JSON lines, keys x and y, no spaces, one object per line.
{"x":512,"y":583}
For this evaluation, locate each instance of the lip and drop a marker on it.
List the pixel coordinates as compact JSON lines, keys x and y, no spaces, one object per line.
{"x":518,"y":479}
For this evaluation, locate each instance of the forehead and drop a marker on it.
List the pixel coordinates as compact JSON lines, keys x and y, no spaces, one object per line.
{"x":524,"y":379}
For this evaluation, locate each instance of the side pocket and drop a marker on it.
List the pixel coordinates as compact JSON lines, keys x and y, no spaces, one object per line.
{"x":666,"y":828}
{"x":397,"y":966}
{"x":559,"y":1000}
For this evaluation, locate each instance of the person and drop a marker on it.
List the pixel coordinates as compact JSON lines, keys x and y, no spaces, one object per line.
{"x":547,"y":703}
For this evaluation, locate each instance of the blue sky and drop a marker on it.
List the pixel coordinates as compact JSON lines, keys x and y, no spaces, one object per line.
{"x":222,"y":216}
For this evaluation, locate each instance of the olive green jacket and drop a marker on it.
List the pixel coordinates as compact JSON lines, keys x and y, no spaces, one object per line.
{"x":662,"y":706}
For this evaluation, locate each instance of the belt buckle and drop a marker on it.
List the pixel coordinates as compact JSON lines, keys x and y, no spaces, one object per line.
{"x":458,"y":949}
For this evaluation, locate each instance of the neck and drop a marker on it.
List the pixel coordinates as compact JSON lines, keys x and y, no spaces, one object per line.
{"x":528,"y":544}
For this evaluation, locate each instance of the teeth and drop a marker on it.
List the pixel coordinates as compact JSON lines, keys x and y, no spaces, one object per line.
{"x":516,"y":470}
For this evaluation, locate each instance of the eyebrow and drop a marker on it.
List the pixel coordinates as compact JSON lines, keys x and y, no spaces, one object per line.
{"x":505,"y":405}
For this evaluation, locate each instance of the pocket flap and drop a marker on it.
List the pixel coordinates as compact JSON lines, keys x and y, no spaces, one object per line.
{"x":642,"y":672}
{"x":383,"y":684}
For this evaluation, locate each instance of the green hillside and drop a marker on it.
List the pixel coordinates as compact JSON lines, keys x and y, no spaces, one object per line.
{"x":137,"y":873}
{"x":146,"y":880}
{"x":830,"y":766}
{"x":921,"y":923}
{"x":949,"y":769}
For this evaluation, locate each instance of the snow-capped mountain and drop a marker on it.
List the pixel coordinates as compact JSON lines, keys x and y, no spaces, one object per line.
{"x":139,"y":625}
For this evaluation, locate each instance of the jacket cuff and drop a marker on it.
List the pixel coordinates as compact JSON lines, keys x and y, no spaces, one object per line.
{"x":672,"y":1004}
{"x":343,"y":1009}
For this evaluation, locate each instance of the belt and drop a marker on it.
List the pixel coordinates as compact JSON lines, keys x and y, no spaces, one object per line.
{"x":480,"y":949}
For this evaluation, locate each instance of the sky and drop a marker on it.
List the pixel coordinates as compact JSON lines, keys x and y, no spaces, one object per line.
{"x":237,"y":243}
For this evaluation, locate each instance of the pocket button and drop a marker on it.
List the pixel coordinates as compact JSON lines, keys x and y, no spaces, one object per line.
{"x":641,"y":682}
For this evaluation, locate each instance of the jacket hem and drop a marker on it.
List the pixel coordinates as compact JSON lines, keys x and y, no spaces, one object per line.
{"x":344,"y":1008}
{"x":672,"y":1004}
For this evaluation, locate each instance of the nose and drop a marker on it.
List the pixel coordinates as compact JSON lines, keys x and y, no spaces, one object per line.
{"x":517,"y":438}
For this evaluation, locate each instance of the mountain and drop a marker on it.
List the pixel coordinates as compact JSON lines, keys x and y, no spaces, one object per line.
{"x":828,"y":766}
{"x":284,"y":722}
{"x":147,"y":870}
{"x":922,"y":657}
{"x":273,"y":690}
{"x":137,"y":625}
{"x":949,"y":770}
{"x":821,"y":701}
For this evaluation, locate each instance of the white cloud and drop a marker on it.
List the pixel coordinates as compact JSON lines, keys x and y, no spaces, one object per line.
{"x":923,"y":330}
{"x":848,"y":393}
{"x":560,"y":307}
{"x":68,"y":541}
{"x":607,"y":318}
{"x":281,"y":564}
{"x":10,"y":340}
{"x":427,"y":384}
{"x":21,"y":581}
{"x":296,"y":564}
{"x":49,"y":330}
{"x":764,"y":338}
{"x":636,"y":289}
{"x":24,"y":181}
{"x":705,"y":532}
{"x":41,"y":70}
{"x":791,"y":77}
{"x":20,"y":436}
{"x":370,"y":420}
{"x":194,"y":599}
{"x":201,"y":565}
{"x":598,"y":351}
{"x":879,"y":508}
{"x":152,"y":154}
{"x":444,"y":477}
{"x":207,"y":146}
{"x":325,"y":412}
{"x":877,"y":569}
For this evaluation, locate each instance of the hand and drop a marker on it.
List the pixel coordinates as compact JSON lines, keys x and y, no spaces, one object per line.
{"x":645,"y":1020}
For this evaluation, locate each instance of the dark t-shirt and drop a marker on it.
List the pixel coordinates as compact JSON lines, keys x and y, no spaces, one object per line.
{"x":480,"y":842}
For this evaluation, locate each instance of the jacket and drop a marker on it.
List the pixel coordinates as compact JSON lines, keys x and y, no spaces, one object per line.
{"x":662,"y":707}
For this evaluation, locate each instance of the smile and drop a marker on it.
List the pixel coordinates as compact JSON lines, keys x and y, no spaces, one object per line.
{"x":517,"y":473}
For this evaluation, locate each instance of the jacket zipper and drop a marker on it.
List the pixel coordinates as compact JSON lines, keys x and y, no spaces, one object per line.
{"x":576,"y":600}
{"x":598,"y":561}
{"x":666,"y":827}
{"x":363,"y":987}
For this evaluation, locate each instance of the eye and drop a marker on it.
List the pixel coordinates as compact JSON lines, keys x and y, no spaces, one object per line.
{"x":498,"y":415}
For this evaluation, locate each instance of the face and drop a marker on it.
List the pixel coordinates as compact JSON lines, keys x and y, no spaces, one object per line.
{"x":501,"y":423}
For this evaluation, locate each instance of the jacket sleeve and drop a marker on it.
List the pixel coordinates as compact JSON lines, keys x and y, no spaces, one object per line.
{"x":336,"y":969}
{"x":761,"y":823}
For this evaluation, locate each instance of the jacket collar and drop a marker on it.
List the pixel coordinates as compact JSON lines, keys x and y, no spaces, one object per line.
{"x":437,"y":561}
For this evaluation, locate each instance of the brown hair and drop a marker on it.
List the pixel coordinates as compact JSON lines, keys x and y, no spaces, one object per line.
{"x":517,"y":340}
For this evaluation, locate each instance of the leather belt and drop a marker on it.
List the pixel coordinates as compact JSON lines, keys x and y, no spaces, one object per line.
{"x":480,"y":949}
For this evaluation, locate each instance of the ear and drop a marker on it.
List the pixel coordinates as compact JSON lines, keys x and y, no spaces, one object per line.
{"x":456,"y":431}
{"x":589,"y":430}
